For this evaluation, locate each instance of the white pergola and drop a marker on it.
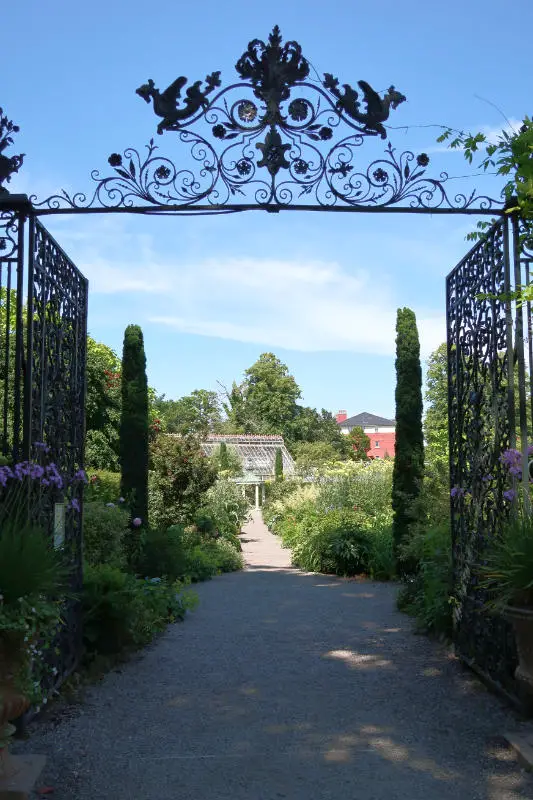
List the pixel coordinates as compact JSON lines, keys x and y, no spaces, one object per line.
{"x":258,"y":456}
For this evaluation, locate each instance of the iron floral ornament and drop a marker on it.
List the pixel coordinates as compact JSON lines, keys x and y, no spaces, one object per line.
{"x":277,"y":138}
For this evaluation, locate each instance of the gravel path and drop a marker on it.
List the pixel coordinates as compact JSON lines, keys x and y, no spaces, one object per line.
{"x":285,"y":684}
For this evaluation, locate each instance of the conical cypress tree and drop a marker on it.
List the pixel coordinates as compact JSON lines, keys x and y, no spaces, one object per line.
{"x":409,"y":447}
{"x":223,"y":456}
{"x":134,"y":424}
{"x":278,"y":465}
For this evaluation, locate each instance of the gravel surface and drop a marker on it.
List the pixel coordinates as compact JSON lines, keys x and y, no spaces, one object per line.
{"x":284,"y":684}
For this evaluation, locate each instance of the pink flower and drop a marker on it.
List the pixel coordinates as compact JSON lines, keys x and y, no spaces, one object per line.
{"x":137,"y":522}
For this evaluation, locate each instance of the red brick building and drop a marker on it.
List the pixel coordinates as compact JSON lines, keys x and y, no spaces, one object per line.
{"x":380,"y":431}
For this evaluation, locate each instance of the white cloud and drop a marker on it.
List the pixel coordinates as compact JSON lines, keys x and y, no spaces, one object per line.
{"x":293,"y":304}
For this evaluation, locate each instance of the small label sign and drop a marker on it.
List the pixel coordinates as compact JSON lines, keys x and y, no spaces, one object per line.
{"x":59,"y":525}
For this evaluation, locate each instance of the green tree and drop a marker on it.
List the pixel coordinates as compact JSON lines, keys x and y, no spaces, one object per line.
{"x":313,"y":455}
{"x":134,"y":424}
{"x":196,"y":413}
{"x":309,"y":425}
{"x":436,"y":417}
{"x":102,"y":406}
{"x":359,"y":444}
{"x":266,"y":400}
{"x":409,"y":449}
{"x":278,"y":465}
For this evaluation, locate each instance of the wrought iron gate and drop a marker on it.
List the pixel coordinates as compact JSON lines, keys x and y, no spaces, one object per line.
{"x":43,"y":331}
{"x":489,"y":412}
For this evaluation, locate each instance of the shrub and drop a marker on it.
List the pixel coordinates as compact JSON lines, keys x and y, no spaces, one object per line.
{"x":29,"y":566}
{"x":205,"y":560}
{"x":124,"y":612}
{"x":227,"y":557}
{"x":226,"y":507}
{"x":200,"y":564}
{"x":226,"y":460}
{"x":332,"y":542}
{"x":381,"y":559}
{"x":180,"y":476}
{"x":104,"y":486}
{"x":105,"y":529}
{"x":426,"y":594}
{"x":163,"y":554}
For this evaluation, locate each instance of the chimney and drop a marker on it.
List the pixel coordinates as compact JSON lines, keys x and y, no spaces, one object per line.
{"x":341,"y":416}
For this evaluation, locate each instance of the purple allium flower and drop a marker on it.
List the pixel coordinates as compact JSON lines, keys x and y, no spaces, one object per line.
{"x":80,"y":476}
{"x":36,"y":471}
{"x":510,"y":495}
{"x":136,"y":522}
{"x":75,"y":504}
{"x":5,"y":474}
{"x":53,"y":476}
{"x":457,"y":491}
{"x":41,"y":446}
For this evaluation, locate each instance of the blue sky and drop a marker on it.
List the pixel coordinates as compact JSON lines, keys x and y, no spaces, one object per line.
{"x":212,"y":293}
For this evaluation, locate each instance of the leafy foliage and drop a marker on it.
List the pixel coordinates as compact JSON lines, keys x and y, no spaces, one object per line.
{"x":198,"y":413}
{"x":508,"y":569}
{"x":163,"y":555}
{"x":105,"y":531}
{"x":103,"y":485}
{"x":123,"y":612}
{"x":409,"y":449}
{"x":359,"y":444}
{"x":341,"y":525}
{"x":266,"y":400}
{"x":311,"y":456}
{"x":426,"y":594}
{"x":134,"y":424}
{"x":29,"y":565}
{"x":226,"y":461}
{"x":226,"y":508}
{"x":436,"y":418}
{"x":179,"y":477}
{"x":103,"y":405}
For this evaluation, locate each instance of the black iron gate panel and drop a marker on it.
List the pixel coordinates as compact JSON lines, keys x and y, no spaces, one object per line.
{"x":12,"y":332}
{"x":487,"y":410}
{"x":57,"y":296}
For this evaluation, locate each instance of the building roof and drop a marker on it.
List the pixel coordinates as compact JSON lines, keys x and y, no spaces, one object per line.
{"x":365,"y":419}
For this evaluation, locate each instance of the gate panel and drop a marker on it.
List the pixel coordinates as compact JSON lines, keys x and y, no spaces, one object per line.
{"x":57,"y":296}
{"x":487,"y":391}
{"x":12,"y":333}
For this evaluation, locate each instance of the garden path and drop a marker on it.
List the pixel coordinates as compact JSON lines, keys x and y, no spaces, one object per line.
{"x":284,"y":684}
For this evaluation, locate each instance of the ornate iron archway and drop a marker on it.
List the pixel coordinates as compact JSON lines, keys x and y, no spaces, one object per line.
{"x":281,"y":138}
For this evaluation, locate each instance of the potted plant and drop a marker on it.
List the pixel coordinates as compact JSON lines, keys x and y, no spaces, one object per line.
{"x":507,"y":573}
{"x":32,"y":585}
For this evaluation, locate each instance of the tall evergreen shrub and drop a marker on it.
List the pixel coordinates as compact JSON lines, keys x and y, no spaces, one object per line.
{"x":278,"y":465}
{"x":134,"y":424}
{"x":409,"y":448}
{"x":223,"y":456}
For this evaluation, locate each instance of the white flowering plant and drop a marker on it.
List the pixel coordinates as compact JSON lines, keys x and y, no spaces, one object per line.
{"x":27,"y":629}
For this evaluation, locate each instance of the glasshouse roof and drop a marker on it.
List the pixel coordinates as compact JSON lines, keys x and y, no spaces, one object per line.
{"x":257,"y":453}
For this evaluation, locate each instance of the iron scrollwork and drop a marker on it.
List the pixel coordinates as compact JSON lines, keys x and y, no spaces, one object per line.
{"x":8,"y":164}
{"x":279,"y":137}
